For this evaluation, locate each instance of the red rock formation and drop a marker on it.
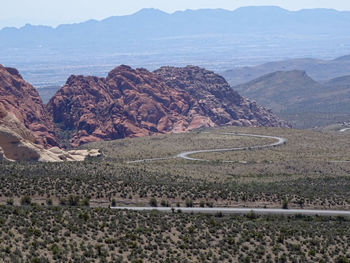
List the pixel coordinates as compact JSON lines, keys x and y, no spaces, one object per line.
{"x":216,"y":99}
{"x":133,"y":103}
{"x":20,"y":98}
{"x":128,"y":103}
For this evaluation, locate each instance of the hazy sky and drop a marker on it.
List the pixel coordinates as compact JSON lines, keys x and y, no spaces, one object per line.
{"x":54,"y":12}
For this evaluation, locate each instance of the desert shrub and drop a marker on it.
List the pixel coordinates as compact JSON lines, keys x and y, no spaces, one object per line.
{"x":26,"y":200}
{"x":153,"y":202}
{"x":189,"y":203}
{"x":9,"y":201}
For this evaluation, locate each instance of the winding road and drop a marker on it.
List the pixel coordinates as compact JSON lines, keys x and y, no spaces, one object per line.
{"x":240,"y":211}
{"x":186,"y":155}
{"x":224,"y":210}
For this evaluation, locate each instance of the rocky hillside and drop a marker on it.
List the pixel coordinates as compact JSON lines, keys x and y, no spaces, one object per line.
{"x":133,"y":103}
{"x":216,"y":99}
{"x":295,"y":92}
{"x":20,"y":98}
{"x":281,"y":90}
{"x":17,"y":143}
{"x":302,"y":101}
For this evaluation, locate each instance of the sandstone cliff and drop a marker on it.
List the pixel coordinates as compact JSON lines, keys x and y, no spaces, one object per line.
{"x":133,"y":103}
{"x":20,"y":98}
{"x":17,"y":143}
{"x":216,"y":99}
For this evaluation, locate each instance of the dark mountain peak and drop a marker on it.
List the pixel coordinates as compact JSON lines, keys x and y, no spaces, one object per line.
{"x":320,"y":11}
{"x":193,"y":74}
{"x":122,"y":68}
{"x":283,"y":76}
{"x":343,"y":58}
{"x":263,"y":12}
{"x":190,"y":69}
{"x":127,"y":72}
{"x":81,"y":79}
{"x":14,"y":72}
{"x":30,"y":27}
{"x":189,"y":12}
{"x":150,"y":12}
{"x":261,"y":9}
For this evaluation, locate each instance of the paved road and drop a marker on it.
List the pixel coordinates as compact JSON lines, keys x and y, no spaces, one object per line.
{"x":186,"y":155}
{"x":343,"y":130}
{"x":279,"y":141}
{"x":240,"y":211}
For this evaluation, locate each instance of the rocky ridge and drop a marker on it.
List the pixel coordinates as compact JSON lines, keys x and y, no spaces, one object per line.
{"x":135,"y":102}
{"x":216,"y":99}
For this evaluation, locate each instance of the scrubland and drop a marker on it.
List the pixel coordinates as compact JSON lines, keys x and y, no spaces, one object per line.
{"x":59,"y":211}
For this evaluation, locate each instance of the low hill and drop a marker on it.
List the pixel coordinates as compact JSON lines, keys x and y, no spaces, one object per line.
{"x":296,"y":97}
{"x":320,"y":70}
{"x":281,"y":90}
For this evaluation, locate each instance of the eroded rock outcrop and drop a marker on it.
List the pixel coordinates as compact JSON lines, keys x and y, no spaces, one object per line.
{"x":17,"y":143}
{"x":216,"y":99}
{"x":20,"y":98}
{"x":128,"y":103}
{"x":133,"y":103}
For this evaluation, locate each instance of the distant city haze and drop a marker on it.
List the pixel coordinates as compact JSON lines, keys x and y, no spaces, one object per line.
{"x":54,"y":12}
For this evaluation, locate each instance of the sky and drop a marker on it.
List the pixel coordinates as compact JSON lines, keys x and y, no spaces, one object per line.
{"x":54,"y":12}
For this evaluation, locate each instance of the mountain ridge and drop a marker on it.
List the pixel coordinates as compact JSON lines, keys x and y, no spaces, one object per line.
{"x":146,"y":12}
{"x":202,"y":20}
{"x":299,"y":99}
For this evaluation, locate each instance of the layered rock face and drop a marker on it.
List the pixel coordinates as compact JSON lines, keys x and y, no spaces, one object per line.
{"x":127,"y":103}
{"x":133,"y":103}
{"x":216,"y":99}
{"x":20,"y":98}
{"x":17,"y":144}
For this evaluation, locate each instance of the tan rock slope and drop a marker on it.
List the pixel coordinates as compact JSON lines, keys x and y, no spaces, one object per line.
{"x":20,"y":98}
{"x":17,"y":143}
{"x":133,"y":103}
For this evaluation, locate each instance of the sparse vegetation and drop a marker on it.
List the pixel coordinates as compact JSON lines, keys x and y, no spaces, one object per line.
{"x":61,"y":205}
{"x":73,"y":234}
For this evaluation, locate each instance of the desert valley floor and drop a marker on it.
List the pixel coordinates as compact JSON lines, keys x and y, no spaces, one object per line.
{"x":61,"y":211}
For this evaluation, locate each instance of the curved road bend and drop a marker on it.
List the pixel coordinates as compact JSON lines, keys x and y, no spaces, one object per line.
{"x":279,"y":141}
{"x":185,"y":155}
{"x":240,"y":211}
{"x":344,"y":130}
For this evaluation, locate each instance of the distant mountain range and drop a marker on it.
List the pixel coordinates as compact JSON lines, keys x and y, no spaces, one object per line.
{"x":217,"y":39}
{"x":320,"y":70}
{"x":151,"y":24}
